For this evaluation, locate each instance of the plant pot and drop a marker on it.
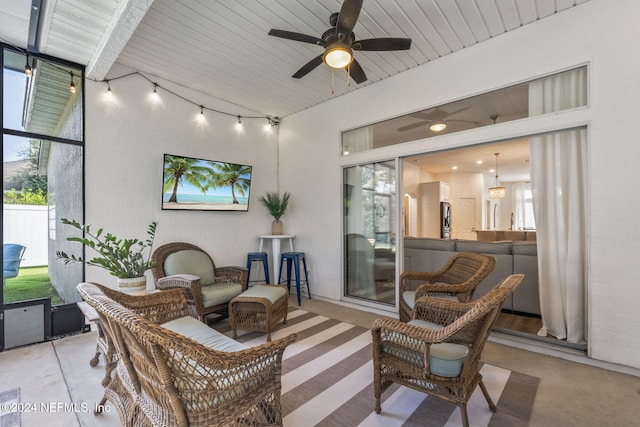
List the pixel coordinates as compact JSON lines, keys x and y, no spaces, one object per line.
{"x":277,"y":228}
{"x":132,"y":285}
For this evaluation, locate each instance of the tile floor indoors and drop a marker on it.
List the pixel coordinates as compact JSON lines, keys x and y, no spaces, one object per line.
{"x":570,"y":393}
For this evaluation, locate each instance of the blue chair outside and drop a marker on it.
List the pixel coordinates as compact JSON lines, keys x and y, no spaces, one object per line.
{"x":258,"y":256}
{"x":11,"y":258}
{"x":293,"y":259}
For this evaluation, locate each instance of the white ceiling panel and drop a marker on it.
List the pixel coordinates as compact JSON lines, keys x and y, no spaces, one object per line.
{"x":222,"y":47}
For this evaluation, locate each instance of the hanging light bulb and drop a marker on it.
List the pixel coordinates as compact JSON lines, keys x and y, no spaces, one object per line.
{"x":72,"y":86}
{"x":497,"y":191}
{"x":28,"y":71}
{"x":200,"y":117}
{"x":155,"y":91}
{"x":109,"y":88}
{"x":239,"y":124}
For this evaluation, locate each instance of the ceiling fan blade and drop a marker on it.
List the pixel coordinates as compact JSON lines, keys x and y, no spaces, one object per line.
{"x":477,"y":124}
{"x":412,"y":126}
{"x":290,"y":35}
{"x":421,"y":115}
{"x":457,"y":111}
{"x":384,"y":43}
{"x":309,"y":66}
{"x":347,"y":18}
{"x":356,"y":72}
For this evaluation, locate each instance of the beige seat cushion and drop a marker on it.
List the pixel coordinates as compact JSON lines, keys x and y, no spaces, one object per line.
{"x":271,"y":293}
{"x":445,"y":359}
{"x":190,"y":261}
{"x":220,"y":293}
{"x":196,"y":330}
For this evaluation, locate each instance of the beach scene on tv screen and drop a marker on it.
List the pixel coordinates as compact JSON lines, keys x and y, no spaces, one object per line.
{"x":198,"y":184}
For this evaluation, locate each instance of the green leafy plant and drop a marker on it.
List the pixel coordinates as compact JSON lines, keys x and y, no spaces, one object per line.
{"x":275,"y":203}
{"x":123,"y":258}
{"x":27,"y":196}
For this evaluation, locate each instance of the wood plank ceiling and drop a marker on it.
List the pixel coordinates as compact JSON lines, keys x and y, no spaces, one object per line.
{"x":221,"y":47}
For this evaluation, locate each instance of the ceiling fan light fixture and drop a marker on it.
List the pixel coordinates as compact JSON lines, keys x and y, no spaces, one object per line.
{"x":338,"y":56}
{"x":438,"y":127}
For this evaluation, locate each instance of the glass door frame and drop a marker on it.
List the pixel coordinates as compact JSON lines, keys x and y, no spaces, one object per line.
{"x":383,"y":308}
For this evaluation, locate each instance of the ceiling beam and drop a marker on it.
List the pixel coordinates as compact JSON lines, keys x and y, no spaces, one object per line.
{"x":34,"y":25}
{"x":121,"y":28}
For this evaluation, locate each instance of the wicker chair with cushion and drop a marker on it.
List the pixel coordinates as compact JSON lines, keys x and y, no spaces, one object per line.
{"x":438,"y":352}
{"x":208,"y":288}
{"x":173,"y":370}
{"x":457,"y":280}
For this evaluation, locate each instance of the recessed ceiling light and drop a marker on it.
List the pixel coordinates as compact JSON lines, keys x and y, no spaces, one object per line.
{"x":492,"y":170}
{"x":479,"y":162}
{"x":454,"y":168}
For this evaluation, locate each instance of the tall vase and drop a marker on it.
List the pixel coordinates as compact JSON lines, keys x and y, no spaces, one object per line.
{"x":277,"y":228}
{"x":132,"y":285}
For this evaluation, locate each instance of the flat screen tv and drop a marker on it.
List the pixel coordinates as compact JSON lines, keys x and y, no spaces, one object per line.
{"x":199,"y":184}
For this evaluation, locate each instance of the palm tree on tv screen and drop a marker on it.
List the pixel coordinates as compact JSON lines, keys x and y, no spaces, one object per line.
{"x":238,"y":177}
{"x":177,"y":169}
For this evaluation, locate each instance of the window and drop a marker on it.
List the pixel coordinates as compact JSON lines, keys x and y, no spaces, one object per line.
{"x":502,"y":105}
{"x":43,"y":164}
{"x":523,"y":207}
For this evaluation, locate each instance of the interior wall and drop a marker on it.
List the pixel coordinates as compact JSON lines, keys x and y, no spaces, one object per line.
{"x":126,"y":138}
{"x":596,"y":33}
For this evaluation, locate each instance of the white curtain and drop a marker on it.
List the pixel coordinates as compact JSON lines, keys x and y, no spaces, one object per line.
{"x":558,"y":181}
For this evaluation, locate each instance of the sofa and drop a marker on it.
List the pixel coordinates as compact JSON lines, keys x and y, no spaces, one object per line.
{"x":172,"y":369}
{"x":512,"y":257}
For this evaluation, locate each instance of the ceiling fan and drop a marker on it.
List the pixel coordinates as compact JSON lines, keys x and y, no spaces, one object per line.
{"x":436,"y":120}
{"x":339,"y":42}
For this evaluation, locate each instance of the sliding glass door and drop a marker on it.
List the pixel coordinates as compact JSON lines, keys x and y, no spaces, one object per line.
{"x":369,"y":232}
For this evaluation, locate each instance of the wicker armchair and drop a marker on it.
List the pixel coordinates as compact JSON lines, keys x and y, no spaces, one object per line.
{"x":208,"y":288}
{"x":418,"y":354}
{"x":164,"y":378}
{"x":459,"y":278}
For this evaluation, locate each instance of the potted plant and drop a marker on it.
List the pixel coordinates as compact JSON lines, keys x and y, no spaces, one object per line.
{"x":122,"y":258}
{"x":276,"y":204}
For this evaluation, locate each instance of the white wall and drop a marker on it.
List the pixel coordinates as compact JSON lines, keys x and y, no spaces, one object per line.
{"x":125,"y":142}
{"x":600,"y":33}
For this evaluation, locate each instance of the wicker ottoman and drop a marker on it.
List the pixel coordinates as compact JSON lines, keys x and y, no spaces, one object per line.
{"x":259,"y":309}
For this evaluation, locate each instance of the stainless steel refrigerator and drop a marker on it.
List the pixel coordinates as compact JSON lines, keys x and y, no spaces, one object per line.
{"x":445,"y":220}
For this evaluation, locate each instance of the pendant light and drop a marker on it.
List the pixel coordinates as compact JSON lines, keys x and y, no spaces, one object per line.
{"x":497,"y":191}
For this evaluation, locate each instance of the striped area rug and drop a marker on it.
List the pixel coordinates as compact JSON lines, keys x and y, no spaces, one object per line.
{"x":328,"y":373}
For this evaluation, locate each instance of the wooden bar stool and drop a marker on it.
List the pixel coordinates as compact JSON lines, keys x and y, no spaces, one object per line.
{"x":294,"y":258}
{"x":262,"y":257}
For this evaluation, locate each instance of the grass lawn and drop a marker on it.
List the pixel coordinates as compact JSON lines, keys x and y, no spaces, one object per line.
{"x":31,"y":283}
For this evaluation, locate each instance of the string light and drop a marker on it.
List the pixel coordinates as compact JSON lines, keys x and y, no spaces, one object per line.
{"x":29,"y":72}
{"x":239,"y":124}
{"x":72,"y":86}
{"x":200,"y":117}
{"x":27,"y":69}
